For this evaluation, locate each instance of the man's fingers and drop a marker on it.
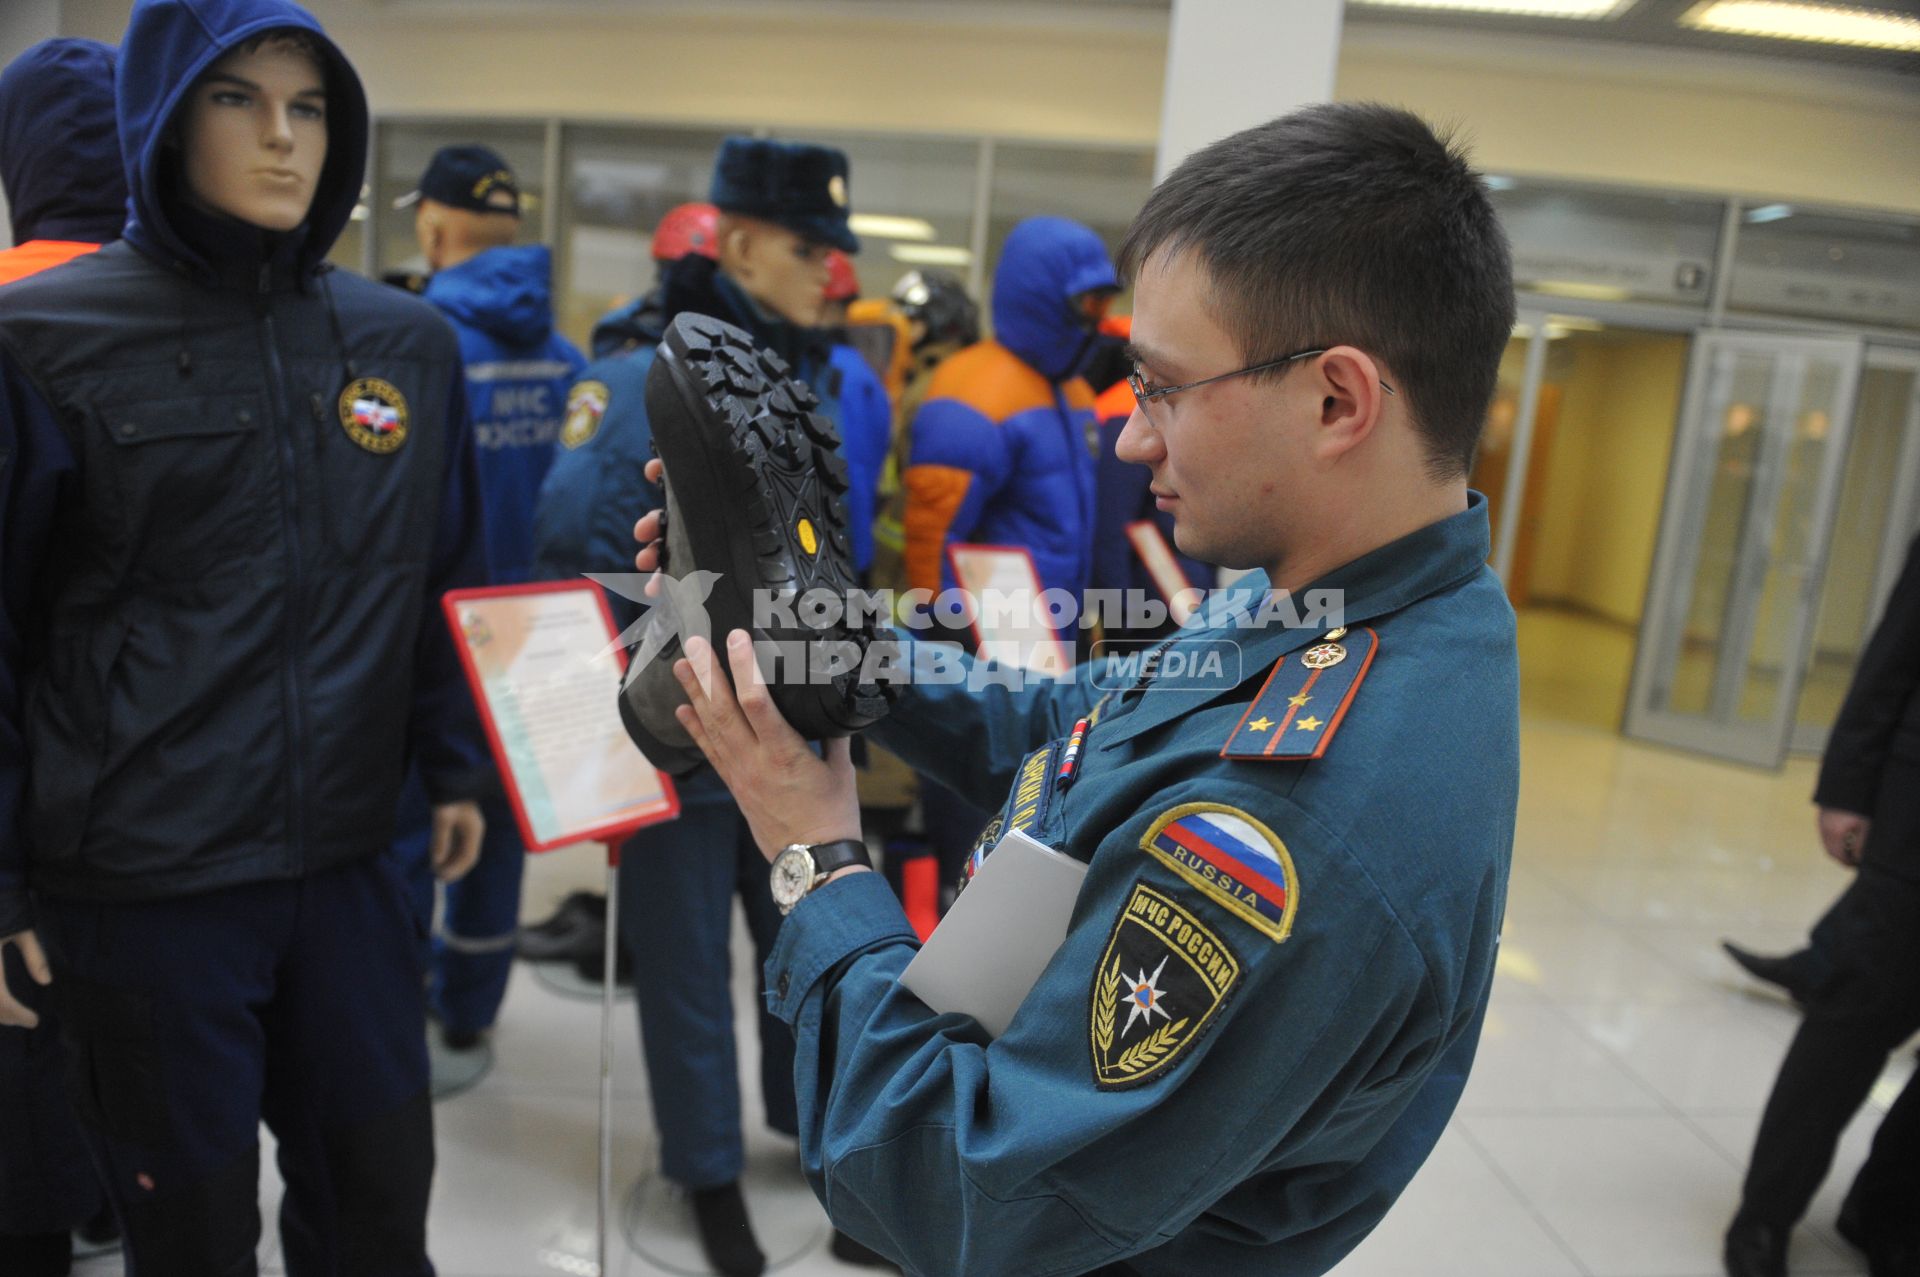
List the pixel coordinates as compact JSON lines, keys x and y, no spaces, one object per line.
{"x":839,"y":753}
{"x":656,"y":470}
{"x":691,"y":721}
{"x":756,"y":699}
{"x":711,"y":696}
{"x":35,"y":957}
{"x":12,"y":1012}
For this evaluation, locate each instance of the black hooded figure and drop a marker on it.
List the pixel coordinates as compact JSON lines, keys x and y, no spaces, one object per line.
{"x":234,"y":486}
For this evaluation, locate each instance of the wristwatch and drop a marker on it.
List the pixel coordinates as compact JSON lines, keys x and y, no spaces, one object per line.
{"x":800,"y":868}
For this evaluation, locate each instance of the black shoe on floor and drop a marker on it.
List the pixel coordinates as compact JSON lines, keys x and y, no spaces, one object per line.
{"x":726,"y":1234}
{"x":755,"y":488}
{"x":36,"y":1254}
{"x":592,"y":965}
{"x":849,"y":1251}
{"x":1756,"y":1250}
{"x":1784,"y":972}
{"x":462,"y":1039}
{"x":575,"y":929}
{"x":101,"y":1233}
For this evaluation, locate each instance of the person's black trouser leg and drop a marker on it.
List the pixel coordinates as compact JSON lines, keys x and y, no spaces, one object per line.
{"x":1884,"y":1191}
{"x":1867,"y":1009}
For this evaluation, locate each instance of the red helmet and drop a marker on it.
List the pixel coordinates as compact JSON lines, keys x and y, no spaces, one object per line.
{"x":687,"y":230}
{"x":843,"y":285}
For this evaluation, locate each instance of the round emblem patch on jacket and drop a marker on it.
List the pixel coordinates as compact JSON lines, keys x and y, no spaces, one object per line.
{"x":374,"y":414}
{"x":1162,"y":979}
{"x":586,"y":404}
{"x":1232,"y":858}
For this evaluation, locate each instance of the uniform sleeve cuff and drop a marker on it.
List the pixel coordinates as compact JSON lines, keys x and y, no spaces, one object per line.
{"x":843,"y":918}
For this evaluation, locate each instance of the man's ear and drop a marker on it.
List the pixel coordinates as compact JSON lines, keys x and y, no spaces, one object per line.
{"x":1351,"y":399}
{"x":736,"y":242}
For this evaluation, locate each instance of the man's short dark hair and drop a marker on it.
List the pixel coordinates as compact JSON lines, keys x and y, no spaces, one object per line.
{"x":1350,"y":224}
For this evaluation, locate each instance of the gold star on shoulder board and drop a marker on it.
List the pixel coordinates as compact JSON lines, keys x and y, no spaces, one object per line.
{"x":1298,"y":701}
{"x":1260,"y":724}
{"x":1307,"y":725}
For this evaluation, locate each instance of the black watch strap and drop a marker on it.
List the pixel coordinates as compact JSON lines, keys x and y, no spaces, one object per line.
{"x":830,"y":857}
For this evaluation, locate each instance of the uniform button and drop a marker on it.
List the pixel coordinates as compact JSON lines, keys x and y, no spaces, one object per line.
{"x":243,"y":416}
{"x":128,"y":430}
{"x":786,"y":982}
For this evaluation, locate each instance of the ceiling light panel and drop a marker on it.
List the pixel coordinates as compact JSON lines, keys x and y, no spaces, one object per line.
{"x":1587,"y":9}
{"x":1809,"y":23}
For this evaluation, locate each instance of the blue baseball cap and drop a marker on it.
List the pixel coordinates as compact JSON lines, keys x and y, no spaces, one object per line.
{"x":475,"y":178}
{"x":797,"y":185}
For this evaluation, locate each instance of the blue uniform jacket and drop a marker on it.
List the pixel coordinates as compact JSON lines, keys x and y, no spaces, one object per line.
{"x":1223,"y":1071}
{"x":518,"y":372}
{"x":1002,"y":449}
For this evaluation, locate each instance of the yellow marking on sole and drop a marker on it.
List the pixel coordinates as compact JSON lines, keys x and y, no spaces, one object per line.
{"x":808,"y":541}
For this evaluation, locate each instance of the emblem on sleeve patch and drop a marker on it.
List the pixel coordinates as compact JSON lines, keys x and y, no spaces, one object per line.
{"x":374,"y":414}
{"x":586,"y":404}
{"x":1231,"y":858}
{"x":1304,"y":700}
{"x":1160,"y":982}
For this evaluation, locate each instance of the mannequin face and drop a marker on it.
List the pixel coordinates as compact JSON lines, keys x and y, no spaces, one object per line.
{"x":253,"y":134}
{"x":781,"y":269}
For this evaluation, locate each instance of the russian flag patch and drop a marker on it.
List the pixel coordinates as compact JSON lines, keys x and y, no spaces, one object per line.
{"x":1232,"y":858}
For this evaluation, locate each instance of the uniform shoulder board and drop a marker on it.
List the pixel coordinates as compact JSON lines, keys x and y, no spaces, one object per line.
{"x":1305,"y":699}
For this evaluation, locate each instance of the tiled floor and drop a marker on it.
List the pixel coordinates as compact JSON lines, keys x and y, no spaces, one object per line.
{"x":1603,"y":1133}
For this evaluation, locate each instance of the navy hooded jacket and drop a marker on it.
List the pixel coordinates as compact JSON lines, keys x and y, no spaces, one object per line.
{"x":518,"y":372}
{"x":233,"y":485}
{"x":1003,"y":446}
{"x":59,"y":147}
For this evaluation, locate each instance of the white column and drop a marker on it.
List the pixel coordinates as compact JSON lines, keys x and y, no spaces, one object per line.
{"x":23,"y":24}
{"x":1232,"y":64}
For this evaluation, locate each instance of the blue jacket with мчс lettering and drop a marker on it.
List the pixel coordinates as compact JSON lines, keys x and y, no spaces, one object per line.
{"x":518,"y":370}
{"x":233,"y":485}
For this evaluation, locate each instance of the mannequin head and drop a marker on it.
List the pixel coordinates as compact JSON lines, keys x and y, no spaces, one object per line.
{"x":253,"y":133}
{"x":781,"y":269}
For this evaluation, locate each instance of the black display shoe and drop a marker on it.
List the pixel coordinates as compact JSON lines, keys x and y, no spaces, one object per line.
{"x":755,"y":500}
{"x":578,"y":926}
{"x":849,"y":1251}
{"x":1784,"y":972}
{"x":1756,"y":1250}
{"x":591,"y":966}
{"x":726,"y":1234}
{"x":36,"y":1254}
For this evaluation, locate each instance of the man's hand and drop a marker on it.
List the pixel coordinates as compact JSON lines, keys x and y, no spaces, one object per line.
{"x":457,"y":829}
{"x":647,"y":530}
{"x":1844,"y":835}
{"x":12,"y":1011}
{"x":787,"y":793}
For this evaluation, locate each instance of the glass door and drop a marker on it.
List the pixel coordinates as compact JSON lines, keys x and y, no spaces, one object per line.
{"x":1749,"y":509}
{"x":1873,"y":526}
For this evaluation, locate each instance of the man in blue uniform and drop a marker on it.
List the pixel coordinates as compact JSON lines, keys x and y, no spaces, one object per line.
{"x":783,"y":206}
{"x":235,"y":484}
{"x":499,"y":298}
{"x":1275,"y":974}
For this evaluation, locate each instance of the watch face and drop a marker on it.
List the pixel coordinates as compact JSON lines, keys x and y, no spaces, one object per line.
{"x":792,"y":875}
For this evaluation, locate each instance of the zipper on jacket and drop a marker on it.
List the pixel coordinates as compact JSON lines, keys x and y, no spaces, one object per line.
{"x":296,"y":592}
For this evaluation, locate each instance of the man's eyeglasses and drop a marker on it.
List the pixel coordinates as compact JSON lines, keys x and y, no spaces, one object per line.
{"x":1147,"y":393}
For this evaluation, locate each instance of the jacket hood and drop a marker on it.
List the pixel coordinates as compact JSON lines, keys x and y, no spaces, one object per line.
{"x":1047,"y":261}
{"x":505,"y":292}
{"x":74,"y":189}
{"x":169,"y":44}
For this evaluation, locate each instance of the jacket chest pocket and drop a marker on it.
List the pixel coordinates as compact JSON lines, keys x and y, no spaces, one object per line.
{"x":378,"y":470}
{"x":187,"y":482}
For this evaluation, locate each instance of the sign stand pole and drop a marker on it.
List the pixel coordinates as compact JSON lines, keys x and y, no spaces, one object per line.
{"x":610,"y":950}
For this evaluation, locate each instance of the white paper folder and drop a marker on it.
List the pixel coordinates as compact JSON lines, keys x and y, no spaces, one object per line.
{"x":988,"y":952}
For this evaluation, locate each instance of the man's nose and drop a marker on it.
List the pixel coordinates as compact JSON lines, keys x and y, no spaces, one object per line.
{"x":1139,"y":442}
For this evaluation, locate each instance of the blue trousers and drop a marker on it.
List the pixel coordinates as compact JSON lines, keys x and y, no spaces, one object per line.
{"x":189,"y":1021}
{"x":677,"y":886}
{"x":469,"y":959}
{"x":47,"y":1184}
